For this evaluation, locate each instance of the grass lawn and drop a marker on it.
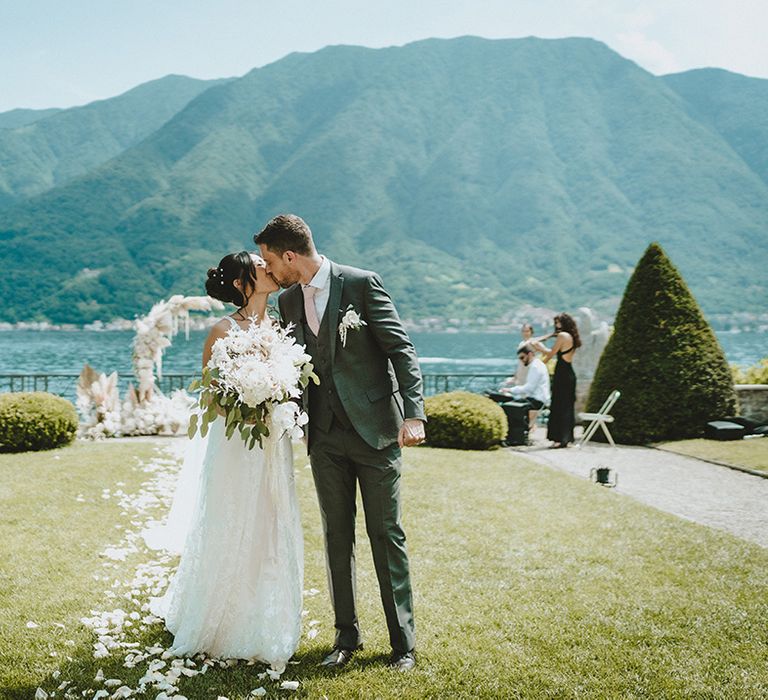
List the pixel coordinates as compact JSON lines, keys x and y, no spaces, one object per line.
{"x":529,"y":583}
{"x":752,"y":454}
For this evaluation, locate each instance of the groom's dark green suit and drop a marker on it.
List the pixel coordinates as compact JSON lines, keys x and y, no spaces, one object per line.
{"x":366,"y":388}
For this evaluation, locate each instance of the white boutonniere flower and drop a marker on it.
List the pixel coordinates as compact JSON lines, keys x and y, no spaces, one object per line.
{"x":350,"y":321}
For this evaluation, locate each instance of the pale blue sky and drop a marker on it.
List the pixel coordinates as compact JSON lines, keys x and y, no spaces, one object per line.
{"x":66,"y":52}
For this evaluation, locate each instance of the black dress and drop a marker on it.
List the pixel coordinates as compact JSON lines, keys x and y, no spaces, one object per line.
{"x":562,"y":415}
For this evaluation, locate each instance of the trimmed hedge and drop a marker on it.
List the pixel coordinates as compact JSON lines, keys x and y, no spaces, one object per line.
{"x":31,"y":421}
{"x":664,"y":358}
{"x":464,"y":421}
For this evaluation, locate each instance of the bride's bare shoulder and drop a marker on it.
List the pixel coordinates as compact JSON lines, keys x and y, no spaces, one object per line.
{"x":219,"y":329}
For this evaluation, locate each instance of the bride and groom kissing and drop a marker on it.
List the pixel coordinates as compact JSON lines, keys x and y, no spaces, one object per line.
{"x":238,"y":590}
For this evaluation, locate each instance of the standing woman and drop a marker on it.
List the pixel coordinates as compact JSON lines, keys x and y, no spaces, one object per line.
{"x":562,"y":415}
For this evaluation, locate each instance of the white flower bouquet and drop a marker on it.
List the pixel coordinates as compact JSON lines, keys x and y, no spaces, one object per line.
{"x":252,"y":381}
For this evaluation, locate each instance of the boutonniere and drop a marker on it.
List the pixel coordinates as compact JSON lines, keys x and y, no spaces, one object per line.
{"x":350,"y":321}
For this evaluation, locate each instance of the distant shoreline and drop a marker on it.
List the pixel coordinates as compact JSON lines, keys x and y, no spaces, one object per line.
{"x":720,"y":323}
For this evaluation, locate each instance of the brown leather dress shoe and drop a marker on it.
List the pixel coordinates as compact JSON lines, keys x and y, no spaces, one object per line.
{"x":402,"y":662}
{"x":338,"y":658}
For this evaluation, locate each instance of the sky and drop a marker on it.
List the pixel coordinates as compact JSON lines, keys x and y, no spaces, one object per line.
{"x":60,"y":53}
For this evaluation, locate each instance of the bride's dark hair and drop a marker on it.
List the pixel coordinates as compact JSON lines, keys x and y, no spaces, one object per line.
{"x":221,"y":280}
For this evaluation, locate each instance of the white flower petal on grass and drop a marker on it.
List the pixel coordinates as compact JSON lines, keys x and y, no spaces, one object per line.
{"x":312,"y":633}
{"x":289,"y":685}
{"x":259,"y":692}
{"x":99,"y":676}
{"x":112,"y":683}
{"x":31,"y":626}
{"x":40,"y":694}
{"x":274,"y":675}
{"x":100,"y":694}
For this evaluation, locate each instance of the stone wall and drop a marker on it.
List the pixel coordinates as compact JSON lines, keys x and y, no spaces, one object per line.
{"x":753,"y":401}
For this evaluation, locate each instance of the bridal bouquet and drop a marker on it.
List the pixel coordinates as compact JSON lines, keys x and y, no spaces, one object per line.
{"x":251,"y":382}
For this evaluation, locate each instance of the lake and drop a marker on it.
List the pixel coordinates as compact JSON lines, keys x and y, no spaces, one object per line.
{"x":439,"y":353}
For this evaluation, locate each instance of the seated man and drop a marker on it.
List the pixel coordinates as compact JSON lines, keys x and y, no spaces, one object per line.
{"x":536,"y":388}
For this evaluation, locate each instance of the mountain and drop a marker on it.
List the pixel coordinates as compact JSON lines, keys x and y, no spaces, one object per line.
{"x":22,"y":117}
{"x":735,"y":106}
{"x":49,"y":147}
{"x":474,"y":174}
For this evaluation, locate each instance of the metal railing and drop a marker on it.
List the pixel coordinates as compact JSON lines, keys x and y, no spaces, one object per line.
{"x":65,"y":383}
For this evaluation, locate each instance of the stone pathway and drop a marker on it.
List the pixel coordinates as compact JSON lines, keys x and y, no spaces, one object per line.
{"x":687,"y":487}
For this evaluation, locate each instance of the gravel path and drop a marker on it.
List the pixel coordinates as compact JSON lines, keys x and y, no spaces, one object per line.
{"x":687,"y":487}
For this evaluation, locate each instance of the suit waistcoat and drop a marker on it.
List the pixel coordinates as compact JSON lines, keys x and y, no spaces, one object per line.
{"x":324,"y":402}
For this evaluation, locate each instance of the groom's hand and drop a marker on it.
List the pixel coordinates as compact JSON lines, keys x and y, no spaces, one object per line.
{"x":411,"y":433}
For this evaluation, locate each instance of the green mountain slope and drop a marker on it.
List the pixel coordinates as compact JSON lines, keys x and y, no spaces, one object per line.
{"x":474,"y":174}
{"x":734,"y":105}
{"x":49,"y":150}
{"x":15,"y":118}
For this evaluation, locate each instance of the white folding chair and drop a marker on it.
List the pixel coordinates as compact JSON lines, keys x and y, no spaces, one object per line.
{"x":599,"y":420}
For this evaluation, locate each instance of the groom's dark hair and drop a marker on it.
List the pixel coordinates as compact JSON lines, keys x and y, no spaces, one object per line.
{"x":286,"y":232}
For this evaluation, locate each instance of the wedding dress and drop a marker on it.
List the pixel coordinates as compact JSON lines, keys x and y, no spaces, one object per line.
{"x":238,"y":589}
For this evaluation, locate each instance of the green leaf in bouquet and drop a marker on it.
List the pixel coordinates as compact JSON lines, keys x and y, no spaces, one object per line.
{"x":192,"y":429}
{"x":204,"y":427}
{"x":255,"y":436}
{"x":230,"y":431}
{"x":245,"y":432}
{"x":194,"y":385}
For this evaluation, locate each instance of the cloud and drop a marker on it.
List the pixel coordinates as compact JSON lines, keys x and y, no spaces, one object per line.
{"x":649,"y":53}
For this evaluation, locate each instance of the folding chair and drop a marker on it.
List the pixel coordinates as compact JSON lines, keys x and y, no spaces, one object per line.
{"x":599,"y":419}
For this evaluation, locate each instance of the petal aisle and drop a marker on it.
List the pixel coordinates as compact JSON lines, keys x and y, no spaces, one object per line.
{"x":117,"y":631}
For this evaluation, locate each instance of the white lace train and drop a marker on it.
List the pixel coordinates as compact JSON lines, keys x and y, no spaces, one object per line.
{"x":238,"y":590}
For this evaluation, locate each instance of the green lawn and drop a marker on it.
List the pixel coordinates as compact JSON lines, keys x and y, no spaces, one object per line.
{"x":752,"y":453}
{"x":529,"y":583}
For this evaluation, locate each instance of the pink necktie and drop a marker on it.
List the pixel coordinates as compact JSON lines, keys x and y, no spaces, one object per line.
{"x":309,"y":308}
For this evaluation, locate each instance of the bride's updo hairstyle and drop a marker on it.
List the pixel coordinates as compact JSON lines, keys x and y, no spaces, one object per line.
{"x":220,"y":283}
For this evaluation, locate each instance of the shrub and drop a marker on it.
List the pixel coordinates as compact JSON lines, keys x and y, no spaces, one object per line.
{"x":35,"y":421}
{"x":464,"y":421}
{"x":756,"y":374}
{"x":664,"y":358}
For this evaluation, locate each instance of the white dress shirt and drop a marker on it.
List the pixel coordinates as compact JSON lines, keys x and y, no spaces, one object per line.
{"x":322,"y":282}
{"x":536,"y":384}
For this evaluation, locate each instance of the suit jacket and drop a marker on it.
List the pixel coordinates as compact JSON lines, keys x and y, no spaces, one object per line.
{"x":376,"y":374}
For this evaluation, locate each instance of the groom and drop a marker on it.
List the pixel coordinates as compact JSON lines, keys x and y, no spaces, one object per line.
{"x":367,"y":406}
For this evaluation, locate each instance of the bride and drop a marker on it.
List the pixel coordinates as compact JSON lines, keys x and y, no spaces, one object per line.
{"x":238,"y":589}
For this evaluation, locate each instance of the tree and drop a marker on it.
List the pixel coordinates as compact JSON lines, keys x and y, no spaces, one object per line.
{"x":664,"y":358}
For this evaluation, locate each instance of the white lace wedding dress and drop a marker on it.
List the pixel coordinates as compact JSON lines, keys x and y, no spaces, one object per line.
{"x":238,"y":589}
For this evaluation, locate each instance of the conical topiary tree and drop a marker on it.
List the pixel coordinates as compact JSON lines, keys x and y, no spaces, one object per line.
{"x":664,"y":358}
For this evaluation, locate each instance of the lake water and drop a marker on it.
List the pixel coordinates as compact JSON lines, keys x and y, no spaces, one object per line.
{"x":439,"y":353}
